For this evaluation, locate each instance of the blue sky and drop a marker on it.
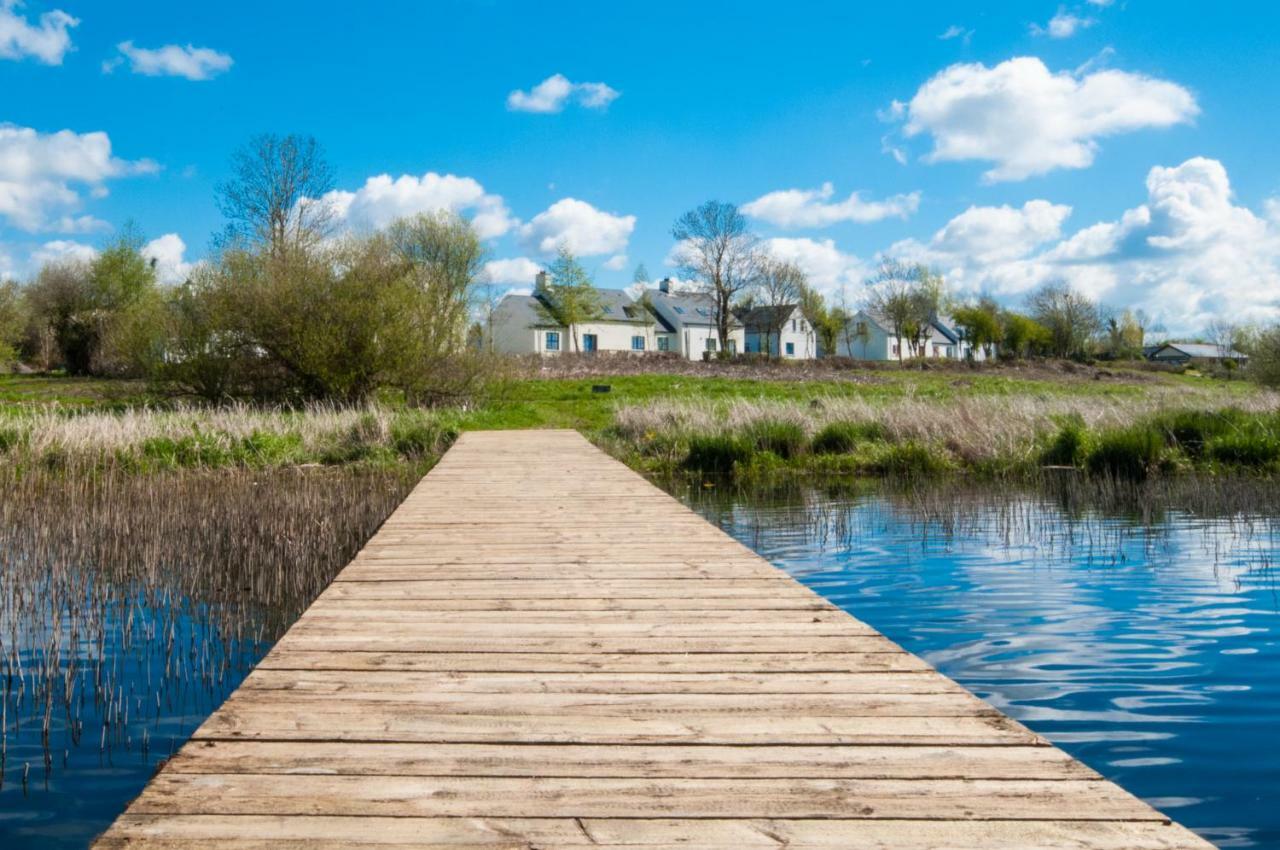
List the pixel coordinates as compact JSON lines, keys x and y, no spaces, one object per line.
{"x":1126,"y":147}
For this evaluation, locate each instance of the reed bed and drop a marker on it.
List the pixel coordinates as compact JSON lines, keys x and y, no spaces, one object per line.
{"x":995,"y":432}
{"x":131,"y":605}
{"x":149,"y":439}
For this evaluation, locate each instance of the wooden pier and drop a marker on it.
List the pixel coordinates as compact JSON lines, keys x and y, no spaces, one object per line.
{"x":540,"y":649}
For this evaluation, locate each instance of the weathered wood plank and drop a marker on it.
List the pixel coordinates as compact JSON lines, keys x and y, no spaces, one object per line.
{"x":271,"y":832}
{"x":602,"y":797}
{"x":776,"y":762}
{"x":612,"y":683}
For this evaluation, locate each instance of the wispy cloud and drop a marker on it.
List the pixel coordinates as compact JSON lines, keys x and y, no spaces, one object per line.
{"x":555,"y":92}
{"x":172,"y":60}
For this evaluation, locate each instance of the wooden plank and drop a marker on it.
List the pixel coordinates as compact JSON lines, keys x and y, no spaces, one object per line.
{"x":286,"y":656}
{"x":776,"y":762}
{"x":281,"y":832}
{"x":330,"y":681}
{"x":598,"y":667}
{"x":602,"y":797}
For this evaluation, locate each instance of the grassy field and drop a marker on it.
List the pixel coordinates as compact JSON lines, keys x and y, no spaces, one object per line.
{"x":994,"y":419}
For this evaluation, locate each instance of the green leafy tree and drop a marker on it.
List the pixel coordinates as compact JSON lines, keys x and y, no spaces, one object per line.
{"x":567,"y":295}
{"x":13,"y":322}
{"x":981,"y":325}
{"x":1024,"y":336}
{"x":828,"y":322}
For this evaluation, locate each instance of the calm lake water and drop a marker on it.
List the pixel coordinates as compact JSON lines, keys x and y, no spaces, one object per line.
{"x":1144,"y":642}
{"x":1146,"y":646}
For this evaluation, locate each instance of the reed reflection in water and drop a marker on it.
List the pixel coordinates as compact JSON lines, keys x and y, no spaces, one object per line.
{"x":1135,"y":626}
{"x":130,"y":607}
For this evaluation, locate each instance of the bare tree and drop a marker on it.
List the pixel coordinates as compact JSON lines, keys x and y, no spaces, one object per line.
{"x":1071,"y":318}
{"x":780,"y":285}
{"x":715,"y":247}
{"x":273,"y":199}
{"x":1222,"y":333}
{"x":903,"y":296}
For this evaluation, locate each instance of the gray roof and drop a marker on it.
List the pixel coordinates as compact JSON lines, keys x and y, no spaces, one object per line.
{"x":1201,"y":351}
{"x":685,"y":308}
{"x":615,"y":306}
{"x":523,"y":309}
{"x":766,"y":316}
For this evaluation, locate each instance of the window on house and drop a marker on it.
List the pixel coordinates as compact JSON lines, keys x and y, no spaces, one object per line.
{"x":791,"y":349}
{"x":553,"y":341}
{"x":679,"y":310}
{"x":711,"y":343}
{"x":637,"y":343}
{"x":793,"y":325}
{"x":664,"y":343}
{"x":702,"y":311}
{"x":608,"y":310}
{"x":896,"y":349}
{"x":590,"y":343}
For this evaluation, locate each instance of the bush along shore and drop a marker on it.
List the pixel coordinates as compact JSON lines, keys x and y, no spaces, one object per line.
{"x":996,"y":437}
{"x":145,"y":440}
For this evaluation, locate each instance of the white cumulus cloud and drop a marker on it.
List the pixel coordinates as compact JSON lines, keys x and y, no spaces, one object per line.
{"x":171,"y":60}
{"x":516,"y":271}
{"x":578,"y":226}
{"x":827,"y":267}
{"x":47,"y":40}
{"x":1028,"y":120}
{"x":61,"y":249}
{"x":43,"y":175}
{"x":812,"y":207}
{"x":383,"y":199}
{"x":168,"y":252}
{"x":1187,"y":255}
{"x":556,"y":91}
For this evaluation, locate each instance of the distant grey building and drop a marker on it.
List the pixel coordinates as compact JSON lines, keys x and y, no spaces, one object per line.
{"x":1180,"y":353}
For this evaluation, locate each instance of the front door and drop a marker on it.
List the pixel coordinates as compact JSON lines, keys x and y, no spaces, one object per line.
{"x":589,"y":342}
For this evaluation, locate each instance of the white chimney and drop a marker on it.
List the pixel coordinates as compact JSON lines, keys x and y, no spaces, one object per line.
{"x":664,"y":285}
{"x":540,"y":280}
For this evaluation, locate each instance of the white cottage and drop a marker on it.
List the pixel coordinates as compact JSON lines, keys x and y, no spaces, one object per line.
{"x":870,"y":337}
{"x":780,"y":331}
{"x":523,"y":324}
{"x":686,"y":323}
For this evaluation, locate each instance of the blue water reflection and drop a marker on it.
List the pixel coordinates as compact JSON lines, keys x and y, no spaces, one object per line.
{"x":1147,"y":649}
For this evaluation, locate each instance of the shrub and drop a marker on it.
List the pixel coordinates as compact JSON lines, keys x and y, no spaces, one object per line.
{"x":418,"y":436}
{"x":785,"y":439}
{"x":717,"y":454}
{"x":843,"y":437}
{"x":1128,"y":453}
{"x":1069,"y":445}
{"x":1190,"y":430}
{"x":193,"y":450}
{"x":264,"y":448}
{"x":1254,"y":447}
{"x":908,"y":459}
